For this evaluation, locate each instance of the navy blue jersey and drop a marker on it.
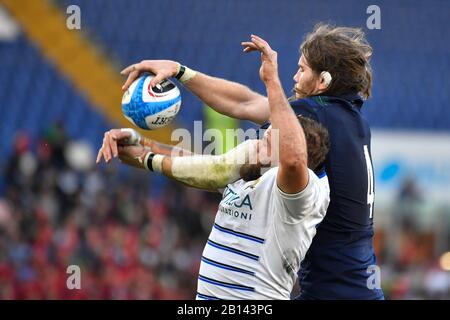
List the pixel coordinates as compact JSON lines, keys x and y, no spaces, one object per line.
{"x":350,"y":208}
{"x":338,"y":262}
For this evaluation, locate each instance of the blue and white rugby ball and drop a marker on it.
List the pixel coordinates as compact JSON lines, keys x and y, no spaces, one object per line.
{"x":151,"y":107}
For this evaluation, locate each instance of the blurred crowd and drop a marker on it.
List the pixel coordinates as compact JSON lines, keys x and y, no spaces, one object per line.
{"x":57,"y":212}
{"x":414,"y":254}
{"x":135,"y":236}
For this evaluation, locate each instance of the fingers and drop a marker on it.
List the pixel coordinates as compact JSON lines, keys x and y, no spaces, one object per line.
{"x":127,"y":70}
{"x":157,"y":79}
{"x":131,"y":77}
{"x":120,"y":135}
{"x":113,"y":145}
{"x":257,"y":44}
{"x":131,"y":68}
{"x":162,"y":69}
{"x":261,"y":44}
{"x":99,"y":155}
{"x":258,"y":38}
{"x":133,"y":72}
{"x":106,"y":148}
{"x":249,"y":46}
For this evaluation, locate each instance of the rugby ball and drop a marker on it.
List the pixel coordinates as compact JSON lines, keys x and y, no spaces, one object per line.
{"x":151,"y":107}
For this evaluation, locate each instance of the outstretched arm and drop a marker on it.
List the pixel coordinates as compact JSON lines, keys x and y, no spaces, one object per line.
{"x":205,"y":172}
{"x":230,"y":98}
{"x":226,"y":97}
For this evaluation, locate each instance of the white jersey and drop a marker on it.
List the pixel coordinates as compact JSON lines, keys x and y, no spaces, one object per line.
{"x":259,"y":238}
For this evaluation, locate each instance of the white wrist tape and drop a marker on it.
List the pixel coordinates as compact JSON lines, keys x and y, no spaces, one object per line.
{"x":145,"y":161}
{"x":157,"y":162}
{"x":185,"y":74}
{"x":154,"y":163}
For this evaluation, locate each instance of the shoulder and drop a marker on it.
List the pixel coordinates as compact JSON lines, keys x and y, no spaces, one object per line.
{"x":307,"y":107}
{"x":314,"y":198}
{"x":312,"y":102}
{"x":315,"y":185}
{"x":320,"y":104}
{"x":314,"y":107}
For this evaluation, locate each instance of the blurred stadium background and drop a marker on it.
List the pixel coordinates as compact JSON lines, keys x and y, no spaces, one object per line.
{"x":139,"y":236}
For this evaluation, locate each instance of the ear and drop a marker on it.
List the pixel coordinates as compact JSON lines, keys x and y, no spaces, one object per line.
{"x":325,"y":80}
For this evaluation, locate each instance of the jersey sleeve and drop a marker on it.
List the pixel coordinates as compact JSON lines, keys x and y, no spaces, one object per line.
{"x":294,"y":207}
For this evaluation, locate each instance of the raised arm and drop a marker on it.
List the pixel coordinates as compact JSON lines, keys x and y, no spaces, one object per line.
{"x":226,"y":97}
{"x":293,"y":157}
